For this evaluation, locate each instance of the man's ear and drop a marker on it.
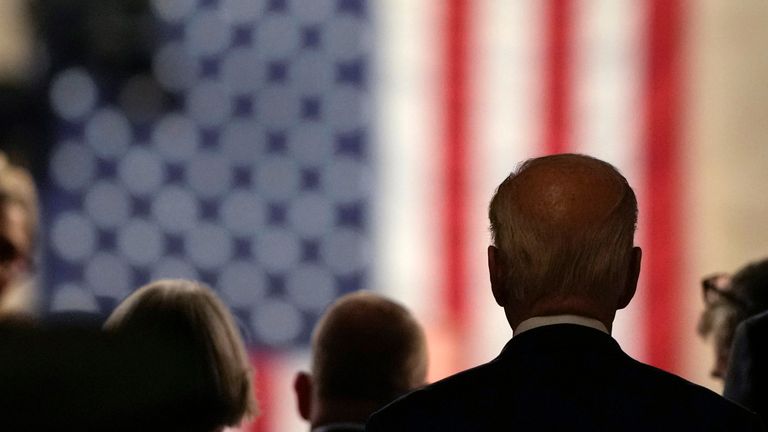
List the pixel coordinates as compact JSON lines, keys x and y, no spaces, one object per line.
{"x":497,"y":270}
{"x":633,"y":275}
{"x":302,"y":385}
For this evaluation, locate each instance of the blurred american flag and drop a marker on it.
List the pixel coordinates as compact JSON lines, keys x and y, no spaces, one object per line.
{"x":289,"y":151}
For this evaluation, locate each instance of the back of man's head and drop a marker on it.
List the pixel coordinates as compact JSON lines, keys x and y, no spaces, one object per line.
{"x":563,"y":229}
{"x":366,"y":351}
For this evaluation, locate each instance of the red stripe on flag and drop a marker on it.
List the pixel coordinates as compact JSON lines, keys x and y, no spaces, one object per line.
{"x":663,"y":260}
{"x":559,"y":17}
{"x":455,"y":103}
{"x":263,"y":388}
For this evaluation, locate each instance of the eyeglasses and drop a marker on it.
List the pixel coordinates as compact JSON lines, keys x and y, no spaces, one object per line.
{"x":716,"y":288}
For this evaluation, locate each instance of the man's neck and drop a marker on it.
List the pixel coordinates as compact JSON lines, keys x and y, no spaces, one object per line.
{"x":560,"y":306}
{"x":541,"y":321}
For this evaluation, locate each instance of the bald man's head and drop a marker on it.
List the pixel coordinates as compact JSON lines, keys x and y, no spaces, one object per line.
{"x":366,"y":349}
{"x":563,"y":227}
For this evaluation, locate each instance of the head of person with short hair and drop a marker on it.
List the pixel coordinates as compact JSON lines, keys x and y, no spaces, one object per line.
{"x":207,"y":375}
{"x":366,"y":351}
{"x":18,"y":237}
{"x":563,"y":229}
{"x":562,"y":262}
{"x":728,"y":301}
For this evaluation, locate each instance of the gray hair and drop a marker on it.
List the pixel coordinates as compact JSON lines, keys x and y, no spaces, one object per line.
{"x":549,"y":261}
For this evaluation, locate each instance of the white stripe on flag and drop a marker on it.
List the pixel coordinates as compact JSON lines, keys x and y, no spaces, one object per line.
{"x":407,"y":154}
{"x":406,"y":219}
{"x":505,"y":128}
{"x":506,"y":73}
{"x":608,"y":77}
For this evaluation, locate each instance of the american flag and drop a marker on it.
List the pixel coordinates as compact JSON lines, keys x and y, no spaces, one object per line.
{"x":289,"y":151}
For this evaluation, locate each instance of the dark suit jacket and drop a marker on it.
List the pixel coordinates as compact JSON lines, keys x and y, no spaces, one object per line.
{"x":747,"y":378}
{"x":563,"y":378}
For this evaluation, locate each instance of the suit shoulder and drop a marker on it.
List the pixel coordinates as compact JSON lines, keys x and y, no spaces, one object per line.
{"x":460,"y":383}
{"x":687,"y":395}
{"x":433,"y":401}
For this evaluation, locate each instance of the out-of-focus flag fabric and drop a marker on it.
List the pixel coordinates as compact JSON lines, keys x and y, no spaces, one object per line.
{"x":490,"y":84}
{"x":289,"y":151}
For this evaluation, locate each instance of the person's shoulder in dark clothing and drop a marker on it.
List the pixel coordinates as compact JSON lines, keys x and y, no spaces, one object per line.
{"x":631,"y":397}
{"x":746,"y":381}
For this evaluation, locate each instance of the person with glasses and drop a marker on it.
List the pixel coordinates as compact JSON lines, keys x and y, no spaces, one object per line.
{"x":728,"y":301}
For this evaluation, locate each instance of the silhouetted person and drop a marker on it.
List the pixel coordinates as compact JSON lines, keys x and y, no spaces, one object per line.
{"x":197,"y":375}
{"x":562,"y":263}
{"x":747,"y":379}
{"x":75,"y":377}
{"x":366,"y":351}
{"x":729,"y":300}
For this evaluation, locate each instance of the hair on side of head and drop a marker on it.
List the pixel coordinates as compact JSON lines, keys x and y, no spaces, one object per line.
{"x":750,"y":284}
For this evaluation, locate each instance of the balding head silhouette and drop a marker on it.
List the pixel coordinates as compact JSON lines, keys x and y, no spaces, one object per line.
{"x":366,"y":351}
{"x":563,"y":229}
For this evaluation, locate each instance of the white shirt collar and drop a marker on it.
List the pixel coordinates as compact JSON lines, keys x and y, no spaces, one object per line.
{"x":541,"y":321}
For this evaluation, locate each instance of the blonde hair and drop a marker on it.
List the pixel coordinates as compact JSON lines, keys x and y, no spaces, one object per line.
{"x":18,"y":191}
{"x":17,"y":187}
{"x":191,"y":311}
{"x":547,"y":261}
